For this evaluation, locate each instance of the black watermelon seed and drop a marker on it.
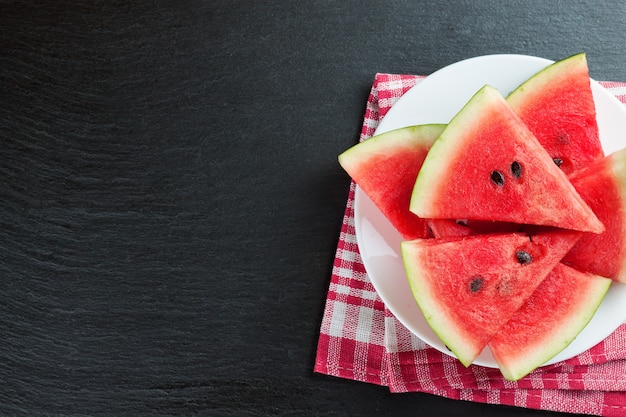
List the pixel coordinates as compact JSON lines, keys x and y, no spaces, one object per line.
{"x":516,"y":169}
{"x":558,"y":161}
{"x":523,"y":257}
{"x":497,"y":178}
{"x":476,"y":284}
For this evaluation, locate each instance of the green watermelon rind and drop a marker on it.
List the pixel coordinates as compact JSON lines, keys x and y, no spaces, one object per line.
{"x":618,"y":165}
{"x":535,"y":356}
{"x":545,"y":77}
{"x":445,"y":330}
{"x":434,"y":162}
{"x":408,"y":136}
{"x":554,"y":127}
{"x":385,"y":167}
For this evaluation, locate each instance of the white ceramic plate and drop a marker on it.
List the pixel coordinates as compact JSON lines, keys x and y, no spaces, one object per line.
{"x":436,"y":100}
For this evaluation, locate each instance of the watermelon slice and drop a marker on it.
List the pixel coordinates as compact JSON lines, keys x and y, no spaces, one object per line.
{"x":603,"y":186}
{"x":386,"y":166}
{"x":557,"y":106}
{"x":468,"y":287}
{"x":549,"y":321}
{"x":486,"y":165}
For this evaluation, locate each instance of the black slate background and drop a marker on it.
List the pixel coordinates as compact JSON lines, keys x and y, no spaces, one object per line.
{"x":170,"y":198}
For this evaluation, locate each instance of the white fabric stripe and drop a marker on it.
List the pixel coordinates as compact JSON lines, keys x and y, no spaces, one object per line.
{"x":617,"y":91}
{"x":337,"y":319}
{"x":391,"y":85}
{"x":493,"y":397}
{"x":417,"y":343}
{"x":348,"y":255}
{"x":349,"y":238}
{"x":391,"y":340}
{"x":345,"y":289}
{"x":348,"y":273}
{"x":369,"y":295}
{"x":340,"y":289}
{"x":521,"y":397}
{"x":388,"y":102}
{"x":364,"y":326}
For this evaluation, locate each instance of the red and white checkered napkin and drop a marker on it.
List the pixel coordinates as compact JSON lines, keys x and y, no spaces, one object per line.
{"x":361,"y":340}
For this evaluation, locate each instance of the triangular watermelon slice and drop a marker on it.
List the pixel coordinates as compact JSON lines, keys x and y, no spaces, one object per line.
{"x":549,"y":321}
{"x":557,"y":106}
{"x":486,"y":165}
{"x":468,"y":287}
{"x":386,"y":166}
{"x":603,"y":186}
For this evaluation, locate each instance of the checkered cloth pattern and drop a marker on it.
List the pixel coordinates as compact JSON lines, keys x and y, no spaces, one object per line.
{"x":360,"y":339}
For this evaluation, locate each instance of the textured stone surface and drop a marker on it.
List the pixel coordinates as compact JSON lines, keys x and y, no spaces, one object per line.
{"x":170,"y":197}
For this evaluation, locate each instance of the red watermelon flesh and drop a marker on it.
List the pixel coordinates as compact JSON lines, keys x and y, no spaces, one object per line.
{"x":449,"y":228}
{"x":603,"y":186}
{"x":549,"y":320}
{"x":557,"y":106}
{"x":465,"y":227}
{"x":486,"y":165}
{"x":468,"y":287}
{"x":386,"y":166}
